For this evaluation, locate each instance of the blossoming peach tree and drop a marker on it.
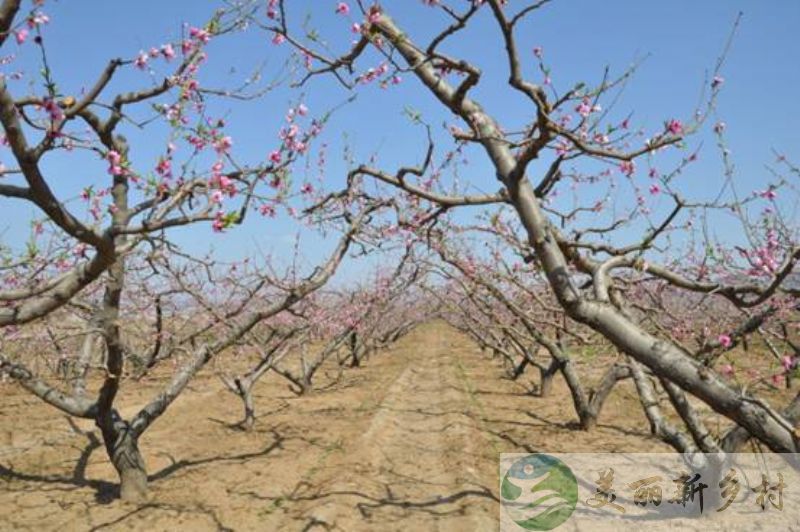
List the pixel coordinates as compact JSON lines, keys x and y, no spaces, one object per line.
{"x":599,"y":204}
{"x":102,"y":256}
{"x":493,"y":306}
{"x":346,"y":324}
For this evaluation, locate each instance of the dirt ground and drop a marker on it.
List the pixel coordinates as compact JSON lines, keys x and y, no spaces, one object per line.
{"x":409,"y":441}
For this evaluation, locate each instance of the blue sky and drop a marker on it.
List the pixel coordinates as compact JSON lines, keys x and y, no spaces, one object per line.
{"x":681,"y":40}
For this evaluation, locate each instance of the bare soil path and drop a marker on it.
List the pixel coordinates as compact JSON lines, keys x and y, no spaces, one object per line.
{"x":410,"y":441}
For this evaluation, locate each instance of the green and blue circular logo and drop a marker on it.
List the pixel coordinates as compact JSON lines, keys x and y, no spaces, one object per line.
{"x":539,"y":492}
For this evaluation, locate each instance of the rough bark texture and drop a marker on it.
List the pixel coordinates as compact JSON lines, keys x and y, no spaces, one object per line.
{"x":122,"y":447}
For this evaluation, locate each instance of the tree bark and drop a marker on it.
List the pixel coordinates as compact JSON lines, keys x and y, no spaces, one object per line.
{"x":122,"y":446}
{"x":546,"y":375}
{"x":519,"y":369}
{"x":249,"y":410}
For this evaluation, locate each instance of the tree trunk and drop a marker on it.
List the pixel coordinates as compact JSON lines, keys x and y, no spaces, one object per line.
{"x":123,"y":450}
{"x":249,"y":408}
{"x":586,"y":416}
{"x":546,"y":375}
{"x":588,"y":420}
{"x":354,"y":350}
{"x":520,"y":368}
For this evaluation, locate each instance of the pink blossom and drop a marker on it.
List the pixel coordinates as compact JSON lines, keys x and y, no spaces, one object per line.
{"x":717,"y":81}
{"x":537,"y":51}
{"x":787,"y":362}
{"x":278,"y":39}
{"x":200,"y":34}
{"x":223,"y":145}
{"x":777,"y":379}
{"x":627,"y":168}
{"x":272,"y":12}
{"x":267,"y":210}
{"x":219,"y":224}
{"x":168,"y":51}
{"x":374,"y":15}
{"x":115,"y":163}
{"x":675,"y":127}
{"x":216,"y":168}
{"x":719,"y":127}
{"x":216,"y":196}
{"x":655,"y":189}
{"x":563,"y":147}
{"x":584,"y":108}
{"x":342,"y":8}
{"x":302,"y":110}
{"x":355,"y":28}
{"x":725,"y":341}
{"x":727,"y":370}
{"x":275,"y":157}
{"x":21,"y":35}
{"x":164,"y":167}
{"x":37,"y":18}
{"x":290,"y":133}
{"x":769,"y":194}
{"x":141,"y":61}
{"x":307,"y":188}
{"x":53,"y":109}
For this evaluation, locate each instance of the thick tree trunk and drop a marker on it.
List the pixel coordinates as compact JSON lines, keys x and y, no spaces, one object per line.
{"x":132,"y":476}
{"x":123,"y":450}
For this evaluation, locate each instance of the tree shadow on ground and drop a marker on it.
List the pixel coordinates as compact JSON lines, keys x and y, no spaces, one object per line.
{"x":198,"y":509}
{"x":105,"y":491}
{"x":178,"y":465}
{"x":456,"y":503}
